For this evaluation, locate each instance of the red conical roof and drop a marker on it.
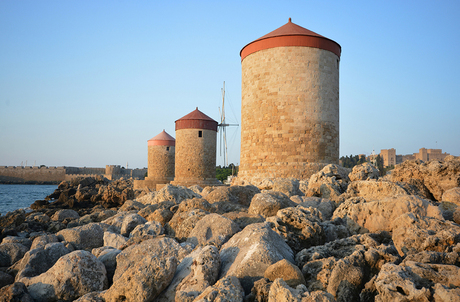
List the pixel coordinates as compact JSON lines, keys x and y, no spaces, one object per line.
{"x":196,"y":120}
{"x":162,"y":139}
{"x":290,"y":34}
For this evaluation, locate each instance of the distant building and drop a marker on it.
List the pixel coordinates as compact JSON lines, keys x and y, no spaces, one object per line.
{"x":390,"y":158}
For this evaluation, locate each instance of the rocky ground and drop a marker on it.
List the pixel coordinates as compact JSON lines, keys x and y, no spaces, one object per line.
{"x":340,"y":236}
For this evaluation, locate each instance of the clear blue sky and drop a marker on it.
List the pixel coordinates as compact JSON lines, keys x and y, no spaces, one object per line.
{"x":87,"y":83}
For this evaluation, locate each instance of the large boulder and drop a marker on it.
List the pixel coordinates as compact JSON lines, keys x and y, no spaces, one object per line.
{"x":72,"y":276}
{"x":300,"y":227}
{"x":149,"y":228}
{"x":329,"y":183}
{"x":365,"y":171}
{"x":226,"y":289}
{"x":42,"y":240}
{"x":413,"y":234}
{"x":11,"y":252}
{"x":324,"y":205}
{"x":182,"y":223}
{"x":373,"y":190}
{"x":268,"y":203}
{"x":39,"y":260}
{"x":280,"y":291}
{"x":196,"y":272}
{"x":213,"y":229}
{"x":114,"y":240}
{"x":287,"y":271}
{"x":250,"y":252}
{"x":362,"y":216}
{"x":174,"y":194}
{"x":437,"y":176}
{"x":64,"y":214}
{"x":227,"y":199}
{"x":131,"y":221}
{"x":16,"y":292}
{"x":84,"y":237}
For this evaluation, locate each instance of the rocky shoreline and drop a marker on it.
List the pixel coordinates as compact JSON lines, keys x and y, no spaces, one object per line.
{"x":342,"y":235}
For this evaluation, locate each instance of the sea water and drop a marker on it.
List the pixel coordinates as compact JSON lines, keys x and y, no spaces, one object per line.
{"x":13,"y":197}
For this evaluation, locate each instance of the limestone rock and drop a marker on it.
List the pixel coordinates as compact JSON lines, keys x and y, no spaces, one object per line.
{"x":248,"y":253}
{"x":15,"y":239}
{"x":452,"y":195}
{"x":324,"y":205}
{"x":109,"y":258}
{"x":10,"y":253}
{"x":365,"y":171}
{"x":227,"y":199}
{"x":84,"y":237}
{"x":130,"y":222}
{"x":203,"y":273}
{"x":61,"y":215}
{"x":288,"y":186}
{"x":174,"y":194}
{"x":300,"y":227}
{"x":243,"y":219}
{"x":42,"y":240}
{"x":437,"y":176}
{"x":213,"y":229}
{"x":380,"y":215}
{"x":72,"y":276}
{"x":196,"y":203}
{"x":226,"y":289}
{"x":16,"y":292}
{"x":282,"y":292}
{"x":414,"y":234}
{"x":268,"y":203}
{"x":5,"y":279}
{"x":144,"y":280}
{"x":131,"y":205}
{"x":38,"y":261}
{"x":117,"y":220}
{"x":290,"y":273}
{"x":372,"y":190}
{"x":149,"y":228}
{"x":114,"y":240}
{"x":182,"y":223}
{"x":444,"y":293}
{"x":329,"y":183}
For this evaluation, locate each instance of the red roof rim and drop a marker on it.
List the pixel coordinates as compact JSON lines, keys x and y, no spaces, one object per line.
{"x":290,"y":29}
{"x":196,"y":115}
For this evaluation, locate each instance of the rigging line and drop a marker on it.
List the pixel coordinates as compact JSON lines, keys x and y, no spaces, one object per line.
{"x":231,"y":108}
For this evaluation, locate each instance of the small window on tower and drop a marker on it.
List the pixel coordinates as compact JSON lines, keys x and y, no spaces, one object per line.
{"x":200,"y":133}
{"x":167,"y":148}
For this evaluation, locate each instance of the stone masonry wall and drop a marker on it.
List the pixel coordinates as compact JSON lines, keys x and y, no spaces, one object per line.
{"x":161,"y":162}
{"x":9,"y":174}
{"x":195,"y":156}
{"x":290,"y":112}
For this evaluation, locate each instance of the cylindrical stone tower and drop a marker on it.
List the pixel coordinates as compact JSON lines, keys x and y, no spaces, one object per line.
{"x":161,"y":155}
{"x":196,"y":135}
{"x":290,"y":104}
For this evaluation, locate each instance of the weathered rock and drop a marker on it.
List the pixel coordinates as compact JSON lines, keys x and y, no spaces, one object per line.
{"x":64,"y":214}
{"x":72,"y":276}
{"x":85,"y":237}
{"x":329,"y":183}
{"x":10,"y":253}
{"x":98,"y":215}
{"x":452,"y":195}
{"x":182,"y":223}
{"x":212,"y":229}
{"x":324,"y":205}
{"x":109,"y":258}
{"x":5,"y":279}
{"x":248,"y":253}
{"x":114,"y":240}
{"x":300,"y":227}
{"x":373,"y":190}
{"x":38,"y":217}
{"x":91,"y":297}
{"x":41,"y":241}
{"x":413,"y":234}
{"x":131,"y":205}
{"x":39,"y":260}
{"x":288,"y":186}
{"x":226,"y":289}
{"x":282,"y":292}
{"x":437,"y":176}
{"x":380,"y":215}
{"x":15,"y":239}
{"x":224,"y":200}
{"x":131,"y":221}
{"x":290,"y":273}
{"x":16,"y":292}
{"x":195,"y":203}
{"x":175,"y":194}
{"x":268,"y":203}
{"x":149,"y":228}
{"x":260,"y":291}
{"x":117,"y":220}
{"x":243,"y":219}
{"x":444,"y":293}
{"x":159,"y":247}
{"x":365,"y":171}
{"x":203,"y":273}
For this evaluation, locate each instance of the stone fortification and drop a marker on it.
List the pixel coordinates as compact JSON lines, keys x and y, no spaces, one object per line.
{"x":195,"y":163}
{"x":290,"y":104}
{"x":11,"y":174}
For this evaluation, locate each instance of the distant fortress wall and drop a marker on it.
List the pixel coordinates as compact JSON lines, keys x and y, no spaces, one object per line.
{"x":42,"y":174}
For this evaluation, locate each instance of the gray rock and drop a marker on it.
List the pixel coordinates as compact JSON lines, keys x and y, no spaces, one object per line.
{"x":61,"y":215}
{"x":15,"y":239}
{"x":365,"y":171}
{"x":10,"y":253}
{"x":213,"y":229}
{"x":41,"y":241}
{"x":226,"y":289}
{"x":72,"y":276}
{"x":16,"y":292}
{"x":39,"y":260}
{"x":248,"y":253}
{"x":149,"y":228}
{"x":182,"y":223}
{"x":324,"y":205}
{"x":268,"y":203}
{"x":130,"y":222}
{"x":114,"y":240}
{"x":281,"y":292}
{"x":84,"y":237}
